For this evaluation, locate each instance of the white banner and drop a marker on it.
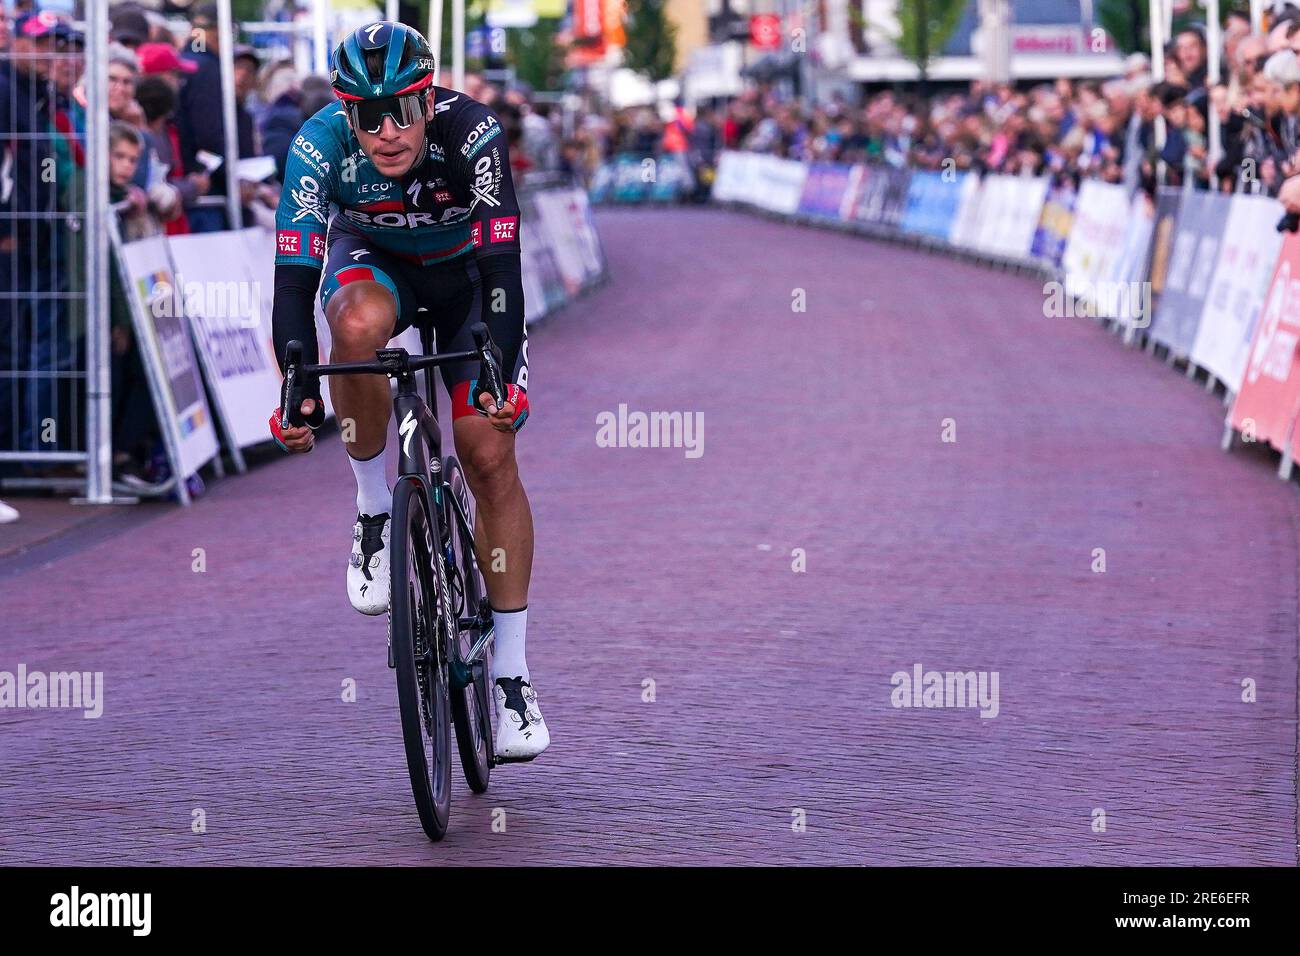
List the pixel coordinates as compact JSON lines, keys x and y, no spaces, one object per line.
{"x":226,"y":302}
{"x":1247,"y":255}
{"x":781,"y":184}
{"x":1009,"y":212}
{"x":164,"y":340}
{"x":1121,"y":294}
{"x":1096,"y":237}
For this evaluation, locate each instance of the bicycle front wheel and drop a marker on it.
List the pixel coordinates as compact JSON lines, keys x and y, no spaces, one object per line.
{"x":419,"y":630}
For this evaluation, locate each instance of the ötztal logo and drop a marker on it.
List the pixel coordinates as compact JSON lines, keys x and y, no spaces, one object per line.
{"x":503,"y":230}
{"x":288,"y":243}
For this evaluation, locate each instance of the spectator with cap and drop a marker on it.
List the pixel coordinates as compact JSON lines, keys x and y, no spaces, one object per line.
{"x":128,"y":24}
{"x":162,"y":60}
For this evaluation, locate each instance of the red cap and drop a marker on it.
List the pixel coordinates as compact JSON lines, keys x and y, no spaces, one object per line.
{"x":161,"y":58}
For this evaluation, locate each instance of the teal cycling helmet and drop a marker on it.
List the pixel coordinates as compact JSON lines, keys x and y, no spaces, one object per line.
{"x":382,"y":59}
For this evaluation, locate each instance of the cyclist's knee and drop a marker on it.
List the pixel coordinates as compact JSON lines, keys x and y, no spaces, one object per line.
{"x":361,"y":316}
{"x":488,"y":457}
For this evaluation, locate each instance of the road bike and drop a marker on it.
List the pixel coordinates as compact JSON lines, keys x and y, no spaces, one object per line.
{"x":439,"y":619}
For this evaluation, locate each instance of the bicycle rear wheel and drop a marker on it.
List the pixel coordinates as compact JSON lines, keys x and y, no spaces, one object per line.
{"x":419,"y":633}
{"x":471,"y":708}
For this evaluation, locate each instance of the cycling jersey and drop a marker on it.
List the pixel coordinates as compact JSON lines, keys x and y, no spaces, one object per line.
{"x":455,"y":205}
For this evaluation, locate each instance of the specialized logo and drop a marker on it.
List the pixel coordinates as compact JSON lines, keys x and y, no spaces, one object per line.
{"x":288,"y":243}
{"x":356,"y":254}
{"x":445,"y":105}
{"x":372,"y":30}
{"x":504,"y":229}
{"x":426,"y":63}
{"x":406,"y":430}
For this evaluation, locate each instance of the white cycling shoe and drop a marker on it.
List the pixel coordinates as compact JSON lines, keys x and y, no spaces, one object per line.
{"x":368,"y":566}
{"x":521,"y":732}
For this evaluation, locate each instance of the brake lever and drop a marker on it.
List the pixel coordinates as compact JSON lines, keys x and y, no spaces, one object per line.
{"x":290,"y":397}
{"x":490,"y":379}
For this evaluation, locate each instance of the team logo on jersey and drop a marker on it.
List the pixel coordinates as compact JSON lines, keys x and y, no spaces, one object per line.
{"x":436,"y":153}
{"x":480,"y":136}
{"x":476,"y":234}
{"x":307,"y":198}
{"x":445,"y":105}
{"x":317,"y":245}
{"x":442,"y":196}
{"x":504,"y":229}
{"x":288,"y":243}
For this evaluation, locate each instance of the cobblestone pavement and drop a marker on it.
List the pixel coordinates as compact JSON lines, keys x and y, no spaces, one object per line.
{"x":1118,"y":692}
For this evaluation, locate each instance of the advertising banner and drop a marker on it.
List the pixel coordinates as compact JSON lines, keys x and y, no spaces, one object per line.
{"x":824,"y":190}
{"x":1122,"y":294}
{"x":1247,"y":258}
{"x":164,"y":340}
{"x":932,"y":202}
{"x":1096,"y":238}
{"x":1201,"y":220}
{"x":1269,"y":397}
{"x":966,"y":224}
{"x":1054,"y":225}
{"x":226,"y":304}
{"x":781,"y":184}
{"x":882,"y":195}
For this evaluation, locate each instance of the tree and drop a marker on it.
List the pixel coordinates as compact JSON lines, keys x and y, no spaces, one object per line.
{"x":651,"y":39}
{"x":926,"y":25}
{"x":1129,"y":22}
{"x":538,"y":61}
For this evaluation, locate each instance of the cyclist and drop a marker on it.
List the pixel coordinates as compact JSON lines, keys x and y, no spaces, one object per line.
{"x":427,"y":220}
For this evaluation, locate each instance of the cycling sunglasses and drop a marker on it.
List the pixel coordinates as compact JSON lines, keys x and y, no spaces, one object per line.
{"x":368,"y":115}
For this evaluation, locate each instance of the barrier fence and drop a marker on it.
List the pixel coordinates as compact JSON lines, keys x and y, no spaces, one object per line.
{"x":200,"y":306}
{"x":1204,"y":276}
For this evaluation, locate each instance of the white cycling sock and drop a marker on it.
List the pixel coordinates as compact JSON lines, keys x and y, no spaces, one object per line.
{"x":508,"y":646}
{"x":373,"y":494}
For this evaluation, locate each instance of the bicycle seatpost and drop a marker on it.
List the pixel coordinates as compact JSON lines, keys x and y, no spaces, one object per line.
{"x":490,"y":379}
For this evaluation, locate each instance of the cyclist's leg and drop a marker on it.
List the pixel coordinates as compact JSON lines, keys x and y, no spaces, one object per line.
{"x":503,"y":530}
{"x":367,"y":301}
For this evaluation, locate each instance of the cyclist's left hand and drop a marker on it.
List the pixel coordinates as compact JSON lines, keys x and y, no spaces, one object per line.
{"x":511,"y":415}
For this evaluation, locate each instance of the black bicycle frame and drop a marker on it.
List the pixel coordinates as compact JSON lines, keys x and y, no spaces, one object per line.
{"x":418,"y":459}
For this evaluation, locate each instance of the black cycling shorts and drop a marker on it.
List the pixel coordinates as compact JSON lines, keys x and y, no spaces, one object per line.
{"x":445,"y":298}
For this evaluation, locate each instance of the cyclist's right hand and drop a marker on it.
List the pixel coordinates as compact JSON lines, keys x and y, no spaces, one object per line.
{"x":296,"y":439}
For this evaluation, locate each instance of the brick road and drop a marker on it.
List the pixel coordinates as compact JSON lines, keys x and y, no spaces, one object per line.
{"x":1119,"y":691}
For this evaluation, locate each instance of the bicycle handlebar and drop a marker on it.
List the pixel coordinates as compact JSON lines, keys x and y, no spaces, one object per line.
{"x":391,"y":362}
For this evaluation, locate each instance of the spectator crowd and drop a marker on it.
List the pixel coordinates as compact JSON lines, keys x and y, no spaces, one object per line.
{"x":166,"y":146}
{"x":167,"y":143}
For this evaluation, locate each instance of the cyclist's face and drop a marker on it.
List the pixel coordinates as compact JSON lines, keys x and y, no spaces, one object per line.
{"x":394,"y":150}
